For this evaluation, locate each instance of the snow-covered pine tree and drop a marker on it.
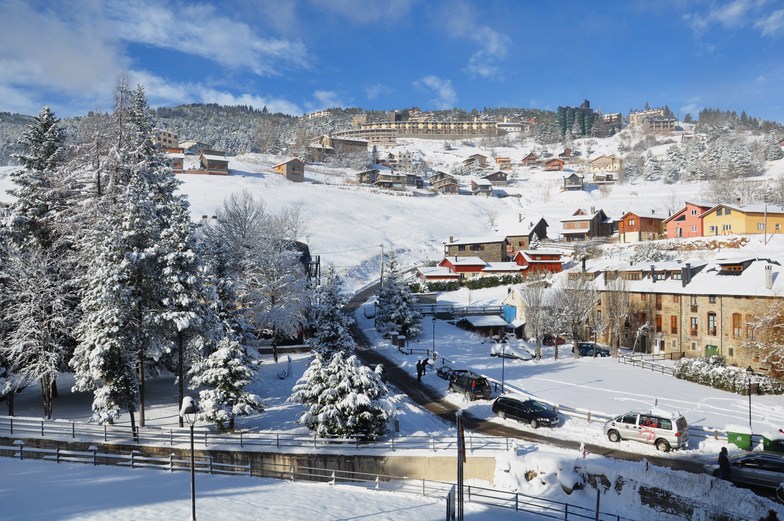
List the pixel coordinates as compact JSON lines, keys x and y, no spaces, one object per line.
{"x":331,"y":324}
{"x":344,"y":398}
{"x":181,"y":289}
{"x":535,"y":242}
{"x":225,"y":373}
{"x":773,"y":150}
{"x":33,"y":216}
{"x":674,"y":166}
{"x":396,"y":309}
{"x":40,"y":320}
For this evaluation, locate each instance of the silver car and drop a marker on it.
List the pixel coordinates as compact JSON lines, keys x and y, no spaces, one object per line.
{"x":664,"y":430}
{"x":756,"y":469}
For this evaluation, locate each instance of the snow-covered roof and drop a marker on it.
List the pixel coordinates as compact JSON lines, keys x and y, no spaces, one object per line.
{"x":749,"y":208}
{"x":210,"y":157}
{"x":709,"y":280}
{"x":482,"y":182}
{"x":437,"y":271}
{"x":477,"y":240}
{"x":502,"y":266}
{"x":484,"y":320}
{"x":465,"y":261}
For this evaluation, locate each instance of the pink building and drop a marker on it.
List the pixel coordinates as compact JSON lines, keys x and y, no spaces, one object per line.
{"x":686,"y":222}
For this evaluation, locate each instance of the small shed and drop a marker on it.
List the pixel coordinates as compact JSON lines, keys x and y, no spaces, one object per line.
{"x":489,"y":325}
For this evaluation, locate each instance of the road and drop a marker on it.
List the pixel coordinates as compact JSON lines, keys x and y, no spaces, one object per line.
{"x":431,"y":401}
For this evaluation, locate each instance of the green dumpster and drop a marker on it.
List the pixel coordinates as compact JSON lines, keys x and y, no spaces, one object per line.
{"x":740,"y":439}
{"x":773,"y":444}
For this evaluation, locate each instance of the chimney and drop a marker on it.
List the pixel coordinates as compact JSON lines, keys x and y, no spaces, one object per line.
{"x":451,"y":239}
{"x":593,"y":210}
{"x":769,"y":276}
{"x":685,"y":274}
{"x":519,"y":217}
{"x":583,"y":264}
{"x":738,"y":201}
{"x":653,"y":273}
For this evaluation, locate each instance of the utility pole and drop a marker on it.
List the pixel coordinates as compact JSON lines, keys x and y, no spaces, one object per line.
{"x":381,"y":283}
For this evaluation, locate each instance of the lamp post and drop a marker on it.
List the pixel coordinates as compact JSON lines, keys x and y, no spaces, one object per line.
{"x":434,"y":332}
{"x":502,"y":354}
{"x":749,"y":375}
{"x":190,"y":413}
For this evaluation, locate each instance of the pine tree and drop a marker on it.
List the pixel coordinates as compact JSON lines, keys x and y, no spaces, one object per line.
{"x":397,"y":305}
{"x":33,"y":212}
{"x":225,"y":373}
{"x":344,"y":399}
{"x":332,"y":325}
{"x":535,"y":242}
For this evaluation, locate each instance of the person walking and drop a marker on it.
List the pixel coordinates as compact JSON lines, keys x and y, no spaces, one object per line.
{"x":419,"y":370}
{"x":724,"y":464}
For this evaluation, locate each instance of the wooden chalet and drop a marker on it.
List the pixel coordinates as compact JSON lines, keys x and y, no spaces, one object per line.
{"x":293,"y":170}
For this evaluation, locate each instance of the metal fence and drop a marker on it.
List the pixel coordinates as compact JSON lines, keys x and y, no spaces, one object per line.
{"x":648,"y":361}
{"x":508,"y":500}
{"x":154,"y":436}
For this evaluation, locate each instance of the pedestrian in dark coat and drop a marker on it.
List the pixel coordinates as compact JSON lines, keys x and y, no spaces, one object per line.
{"x":724,"y":464}
{"x":419,"y":370}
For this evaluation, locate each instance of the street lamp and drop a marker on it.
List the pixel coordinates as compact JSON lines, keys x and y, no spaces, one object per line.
{"x":434,"y":332}
{"x":190,"y":413}
{"x":749,"y":375}
{"x":502,"y":354}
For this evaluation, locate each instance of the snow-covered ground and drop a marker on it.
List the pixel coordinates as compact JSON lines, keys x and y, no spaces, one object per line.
{"x":347,"y":225}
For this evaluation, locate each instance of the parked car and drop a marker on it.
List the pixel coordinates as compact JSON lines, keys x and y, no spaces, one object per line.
{"x":662,"y":429}
{"x":472,"y":385}
{"x":756,"y":469}
{"x":510,"y":351}
{"x":551,"y":340}
{"x":447,"y":373}
{"x":589,"y":348}
{"x":532,"y":412}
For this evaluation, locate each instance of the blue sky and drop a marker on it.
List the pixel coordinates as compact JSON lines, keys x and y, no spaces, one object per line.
{"x":297,"y":56}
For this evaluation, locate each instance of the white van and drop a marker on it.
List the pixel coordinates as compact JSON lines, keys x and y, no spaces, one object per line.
{"x":663,"y":429}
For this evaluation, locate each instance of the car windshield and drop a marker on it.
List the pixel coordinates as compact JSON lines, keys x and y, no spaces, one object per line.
{"x":537,"y":406}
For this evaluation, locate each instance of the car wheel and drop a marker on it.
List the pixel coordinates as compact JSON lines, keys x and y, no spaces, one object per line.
{"x":614,"y":436}
{"x":663,"y":445}
{"x":534,"y":424}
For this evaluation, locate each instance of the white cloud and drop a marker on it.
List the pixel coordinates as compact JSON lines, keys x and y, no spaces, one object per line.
{"x":161,"y":92}
{"x":460,"y":22}
{"x":694,"y":107}
{"x":364,"y":11}
{"x":446,"y":97}
{"x":377,"y":89}
{"x":772,"y":24}
{"x":738,"y":13}
{"x":201,"y":30}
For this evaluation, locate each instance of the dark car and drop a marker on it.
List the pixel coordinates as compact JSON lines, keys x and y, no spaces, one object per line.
{"x":589,"y":349}
{"x":532,"y":412}
{"x":551,"y":340}
{"x":472,"y":385}
{"x":447,"y":373}
{"x":755,"y":469}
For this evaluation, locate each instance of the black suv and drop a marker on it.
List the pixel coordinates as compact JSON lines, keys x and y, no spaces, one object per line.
{"x":532,"y":412}
{"x":472,"y":385}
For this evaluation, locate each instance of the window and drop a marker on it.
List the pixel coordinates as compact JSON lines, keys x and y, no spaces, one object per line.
{"x":760,"y":227}
{"x":749,"y":328}
{"x":694,"y":229}
{"x":718,"y":212}
{"x":778,"y":226}
{"x":461,"y":247}
{"x":631,"y":222}
{"x":726,"y":227}
{"x":712,"y":229}
{"x":736,"y":325}
{"x":712,"y":323}
{"x":658,"y":323}
{"x":730,"y":352}
{"x":727,"y":211}
{"x":673,"y":324}
{"x":694,"y":328}
{"x":712,"y":299}
{"x":693,"y":303}
{"x":658,"y":302}
{"x":693,"y":211}
{"x":694,"y":346}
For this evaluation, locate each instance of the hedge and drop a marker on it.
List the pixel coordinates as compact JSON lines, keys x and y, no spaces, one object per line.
{"x":713,"y":371}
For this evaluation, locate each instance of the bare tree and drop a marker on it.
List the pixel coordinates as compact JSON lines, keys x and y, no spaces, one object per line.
{"x":616,"y":310}
{"x":573,"y":303}
{"x":534,"y":293}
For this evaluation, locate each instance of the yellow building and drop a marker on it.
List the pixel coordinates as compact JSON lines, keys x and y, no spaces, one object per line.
{"x":726,"y":219}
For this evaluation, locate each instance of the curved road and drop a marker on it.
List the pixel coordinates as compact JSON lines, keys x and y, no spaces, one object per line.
{"x":444,"y":409}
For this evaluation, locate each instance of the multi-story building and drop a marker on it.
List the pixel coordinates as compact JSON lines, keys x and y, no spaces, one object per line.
{"x":579,"y":119}
{"x":640,"y":226}
{"x":687,"y":222}
{"x":726,"y":219}
{"x":693,"y":309}
{"x":167,"y":139}
{"x":489,"y":249}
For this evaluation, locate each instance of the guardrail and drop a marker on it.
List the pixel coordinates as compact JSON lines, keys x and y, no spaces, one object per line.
{"x":516,"y":501}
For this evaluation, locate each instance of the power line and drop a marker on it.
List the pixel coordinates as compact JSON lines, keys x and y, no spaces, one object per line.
{"x":344,"y":251}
